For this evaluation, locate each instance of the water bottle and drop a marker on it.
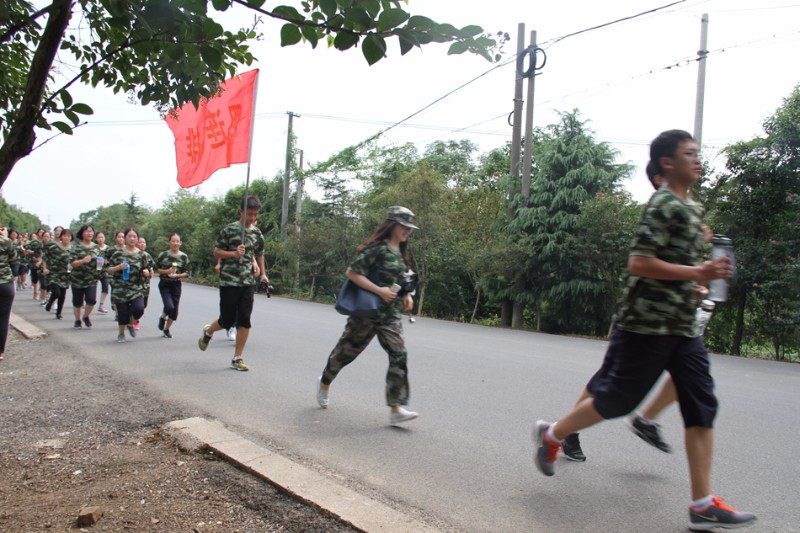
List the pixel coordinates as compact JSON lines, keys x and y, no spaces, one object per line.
{"x":69,"y":266}
{"x":100,"y":261}
{"x":721,"y":246}
{"x":126,"y":272}
{"x":703,"y":315}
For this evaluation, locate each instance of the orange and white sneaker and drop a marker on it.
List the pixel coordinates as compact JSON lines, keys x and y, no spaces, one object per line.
{"x":718,"y":515}
{"x":544,"y":457}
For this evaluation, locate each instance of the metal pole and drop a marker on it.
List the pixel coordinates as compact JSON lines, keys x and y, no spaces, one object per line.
{"x":701,"y":81}
{"x":285,"y":203}
{"x":516,"y":125}
{"x":526,"y":167}
{"x":249,"y":156}
{"x":298,"y":202}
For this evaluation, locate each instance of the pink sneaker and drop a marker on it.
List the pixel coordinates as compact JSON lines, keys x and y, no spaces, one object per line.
{"x":136,"y":325}
{"x":102,"y":310}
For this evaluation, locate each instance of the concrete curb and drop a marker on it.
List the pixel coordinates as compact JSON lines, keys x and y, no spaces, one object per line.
{"x":28,"y":330}
{"x":361,"y":512}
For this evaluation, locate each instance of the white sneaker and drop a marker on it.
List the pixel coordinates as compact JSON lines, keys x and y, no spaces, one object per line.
{"x":403,"y":415}
{"x":232,"y":334}
{"x":322,"y":395}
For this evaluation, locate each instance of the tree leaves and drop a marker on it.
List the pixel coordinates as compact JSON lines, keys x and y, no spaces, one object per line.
{"x":374,"y":48}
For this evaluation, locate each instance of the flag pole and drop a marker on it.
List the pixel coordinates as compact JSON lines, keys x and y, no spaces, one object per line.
{"x":249,"y":154}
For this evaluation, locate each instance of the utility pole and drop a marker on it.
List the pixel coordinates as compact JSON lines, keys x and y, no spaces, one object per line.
{"x":516,"y":124}
{"x":701,"y":81}
{"x":298,"y":196}
{"x":298,"y":202}
{"x":526,"y":168}
{"x":532,"y":51}
{"x":285,"y":203}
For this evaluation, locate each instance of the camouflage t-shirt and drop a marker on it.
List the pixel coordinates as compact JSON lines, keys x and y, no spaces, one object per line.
{"x":104,"y":252}
{"x":35,"y":247}
{"x":87,"y":274}
{"x":7,"y":255}
{"x":149,"y":264}
{"x":669,"y":230}
{"x":166,"y":260}
{"x":234,"y":271}
{"x":127,"y":290}
{"x":387,"y":268}
{"x":57,"y":259}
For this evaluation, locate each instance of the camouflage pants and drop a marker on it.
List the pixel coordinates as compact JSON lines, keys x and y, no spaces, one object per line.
{"x":357,"y":335}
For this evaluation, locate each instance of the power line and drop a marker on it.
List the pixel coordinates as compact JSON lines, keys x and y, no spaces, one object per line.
{"x":551,"y":42}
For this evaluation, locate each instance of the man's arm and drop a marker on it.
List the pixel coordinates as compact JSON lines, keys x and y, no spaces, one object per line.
{"x":654,"y":268}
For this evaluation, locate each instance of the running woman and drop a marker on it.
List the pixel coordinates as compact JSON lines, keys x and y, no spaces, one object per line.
{"x":172,"y":266}
{"x":85,"y":273}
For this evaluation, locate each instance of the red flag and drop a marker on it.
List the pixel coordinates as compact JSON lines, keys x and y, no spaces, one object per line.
{"x":217,"y":133}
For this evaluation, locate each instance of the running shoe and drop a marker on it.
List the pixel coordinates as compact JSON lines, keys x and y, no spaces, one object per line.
{"x":161,"y":323}
{"x":87,"y":321}
{"x":120,"y":338}
{"x":546,"y":451}
{"x":402,"y":415}
{"x":205,"y":338}
{"x":167,"y":334}
{"x":238,"y":364}
{"x":322,"y":395}
{"x":232,"y":334}
{"x":77,"y":324}
{"x":649,"y":432}
{"x":718,"y":515}
{"x":571,"y":446}
{"x":102,"y":310}
{"x":132,"y":331}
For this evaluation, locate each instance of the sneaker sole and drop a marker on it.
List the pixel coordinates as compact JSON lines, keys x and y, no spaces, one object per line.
{"x":579,"y":460}
{"x":403,"y":420}
{"x":711,"y":526}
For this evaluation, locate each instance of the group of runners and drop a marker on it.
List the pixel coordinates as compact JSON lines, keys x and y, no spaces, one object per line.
{"x":654,"y":330}
{"x":63,"y":261}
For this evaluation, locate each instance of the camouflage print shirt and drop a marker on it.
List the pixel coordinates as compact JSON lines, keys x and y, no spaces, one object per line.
{"x":127,"y":290}
{"x":166,"y":260}
{"x":87,"y":274}
{"x":104,"y":252}
{"x":57,"y":259}
{"x":669,"y":230}
{"x":7,"y":255}
{"x":236,"y":272}
{"x":149,"y":264}
{"x":387,"y":268}
{"x":35,"y":247}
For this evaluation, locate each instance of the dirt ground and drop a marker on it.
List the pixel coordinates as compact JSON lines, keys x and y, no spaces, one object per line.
{"x":75,"y":436}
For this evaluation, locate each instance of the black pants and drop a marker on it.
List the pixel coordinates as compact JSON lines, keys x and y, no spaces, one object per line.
{"x":171,"y":296}
{"x":58,"y":295}
{"x":130,"y":309}
{"x":7,"y":293}
{"x":81,"y":295}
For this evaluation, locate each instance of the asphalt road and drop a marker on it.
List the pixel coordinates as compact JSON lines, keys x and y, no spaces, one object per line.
{"x":466,"y":463}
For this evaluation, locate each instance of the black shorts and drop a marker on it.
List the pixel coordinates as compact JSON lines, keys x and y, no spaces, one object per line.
{"x":235,"y":306}
{"x":633,"y":364}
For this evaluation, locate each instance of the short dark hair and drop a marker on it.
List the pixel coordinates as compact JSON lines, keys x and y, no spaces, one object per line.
{"x":651,"y":172}
{"x":252,"y":202}
{"x":82,"y":229}
{"x":665,"y":145}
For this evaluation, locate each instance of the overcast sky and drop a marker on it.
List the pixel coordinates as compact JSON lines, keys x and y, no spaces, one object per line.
{"x":631,"y":80}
